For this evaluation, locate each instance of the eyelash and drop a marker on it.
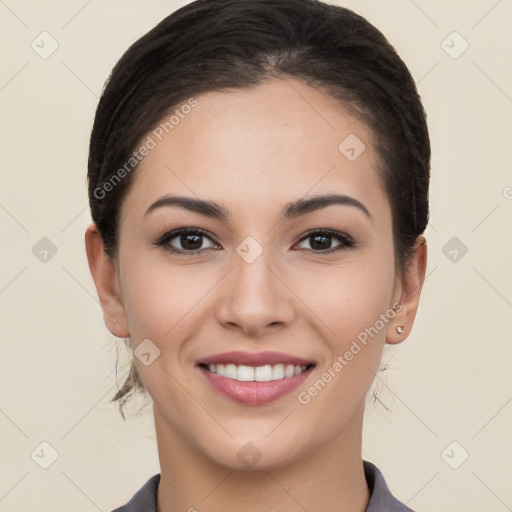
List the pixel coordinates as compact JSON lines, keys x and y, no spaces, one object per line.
{"x":347,"y":241}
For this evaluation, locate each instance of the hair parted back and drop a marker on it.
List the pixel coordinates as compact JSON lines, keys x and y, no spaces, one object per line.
{"x":210,"y":45}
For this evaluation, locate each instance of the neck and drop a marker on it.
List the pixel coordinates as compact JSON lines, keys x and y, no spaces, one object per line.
{"x":331,"y":479}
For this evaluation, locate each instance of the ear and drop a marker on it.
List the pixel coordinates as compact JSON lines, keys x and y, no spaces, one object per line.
{"x":104,"y":273}
{"x":411,"y":285}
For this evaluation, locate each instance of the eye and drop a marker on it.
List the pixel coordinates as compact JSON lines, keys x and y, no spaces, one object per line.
{"x":322,"y":239}
{"x":190,"y":240}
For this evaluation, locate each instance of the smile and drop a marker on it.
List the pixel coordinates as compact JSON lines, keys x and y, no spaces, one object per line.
{"x":254,"y":385}
{"x":264,"y":373}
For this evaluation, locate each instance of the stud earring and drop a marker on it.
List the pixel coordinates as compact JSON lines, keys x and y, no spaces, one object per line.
{"x":400,"y":329}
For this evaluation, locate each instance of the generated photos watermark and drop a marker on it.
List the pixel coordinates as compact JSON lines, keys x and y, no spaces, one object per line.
{"x":151,"y":141}
{"x":305,"y":397}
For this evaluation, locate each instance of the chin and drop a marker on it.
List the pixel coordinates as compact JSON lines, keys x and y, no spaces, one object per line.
{"x":258,"y":454}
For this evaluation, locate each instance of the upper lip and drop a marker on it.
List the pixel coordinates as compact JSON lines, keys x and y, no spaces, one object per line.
{"x":254,"y":359}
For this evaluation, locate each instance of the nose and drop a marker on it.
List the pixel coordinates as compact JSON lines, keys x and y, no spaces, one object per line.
{"x":256,"y":297}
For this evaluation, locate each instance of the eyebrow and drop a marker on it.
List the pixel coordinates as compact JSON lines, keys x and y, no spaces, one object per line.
{"x":290,"y":210}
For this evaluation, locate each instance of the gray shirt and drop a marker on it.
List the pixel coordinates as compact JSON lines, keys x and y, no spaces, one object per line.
{"x":381,"y":499}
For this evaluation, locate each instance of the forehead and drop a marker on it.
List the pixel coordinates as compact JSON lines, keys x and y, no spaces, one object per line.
{"x":261,"y":146}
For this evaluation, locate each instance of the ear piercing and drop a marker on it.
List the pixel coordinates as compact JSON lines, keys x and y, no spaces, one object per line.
{"x":400,"y":328}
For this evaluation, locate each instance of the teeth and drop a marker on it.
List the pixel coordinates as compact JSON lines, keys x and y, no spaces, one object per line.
{"x":244,"y":373}
{"x":263,"y":373}
{"x":289,"y":370}
{"x":259,"y":374}
{"x":278,"y":372}
{"x":230,"y":371}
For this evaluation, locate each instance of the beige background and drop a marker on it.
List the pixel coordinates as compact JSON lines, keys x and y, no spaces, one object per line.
{"x":450,"y":381}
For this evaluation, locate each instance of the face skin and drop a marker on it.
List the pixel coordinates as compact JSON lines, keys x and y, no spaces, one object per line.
{"x":255,"y":151}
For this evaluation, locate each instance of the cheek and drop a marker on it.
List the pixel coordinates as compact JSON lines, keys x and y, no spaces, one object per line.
{"x":348,"y":298}
{"x":162,"y":302}
{"x":350,"y":302}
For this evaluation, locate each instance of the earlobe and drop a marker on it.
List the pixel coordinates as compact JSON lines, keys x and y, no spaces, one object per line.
{"x":103,"y":271}
{"x":412,"y":284}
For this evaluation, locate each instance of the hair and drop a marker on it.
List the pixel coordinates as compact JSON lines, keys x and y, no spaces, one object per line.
{"x":213,"y":45}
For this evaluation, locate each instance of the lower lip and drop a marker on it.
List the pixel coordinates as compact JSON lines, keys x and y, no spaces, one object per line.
{"x":252,"y":392}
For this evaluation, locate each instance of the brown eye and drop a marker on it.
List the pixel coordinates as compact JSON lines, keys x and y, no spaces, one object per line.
{"x":185,"y":240}
{"x":320,"y":241}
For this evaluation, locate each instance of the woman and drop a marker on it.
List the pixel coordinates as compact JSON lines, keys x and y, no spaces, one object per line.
{"x":258,"y":180}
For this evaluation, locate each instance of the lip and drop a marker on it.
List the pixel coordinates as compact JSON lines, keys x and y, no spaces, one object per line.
{"x":254,"y":359}
{"x":253,"y":392}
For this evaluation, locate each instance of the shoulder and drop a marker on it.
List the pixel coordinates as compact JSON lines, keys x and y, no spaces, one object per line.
{"x":144,"y":499}
{"x":381,"y":499}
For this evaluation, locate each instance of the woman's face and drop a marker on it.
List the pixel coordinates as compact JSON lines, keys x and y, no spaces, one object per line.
{"x":257,"y":280}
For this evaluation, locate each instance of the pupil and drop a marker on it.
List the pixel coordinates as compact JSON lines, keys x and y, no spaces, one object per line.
{"x":185,"y":239}
{"x":325,"y":239}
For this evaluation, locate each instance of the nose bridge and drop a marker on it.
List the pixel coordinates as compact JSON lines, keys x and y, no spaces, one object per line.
{"x":256,"y":297}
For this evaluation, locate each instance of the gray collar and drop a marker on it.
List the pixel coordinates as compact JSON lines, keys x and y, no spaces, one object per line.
{"x":381,"y":499}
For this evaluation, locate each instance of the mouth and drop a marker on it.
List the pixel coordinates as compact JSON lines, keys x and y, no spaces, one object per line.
{"x":255,"y":379}
{"x":265,"y":373}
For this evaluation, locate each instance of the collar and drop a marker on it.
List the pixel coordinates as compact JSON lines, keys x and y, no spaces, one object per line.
{"x":381,"y":499}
